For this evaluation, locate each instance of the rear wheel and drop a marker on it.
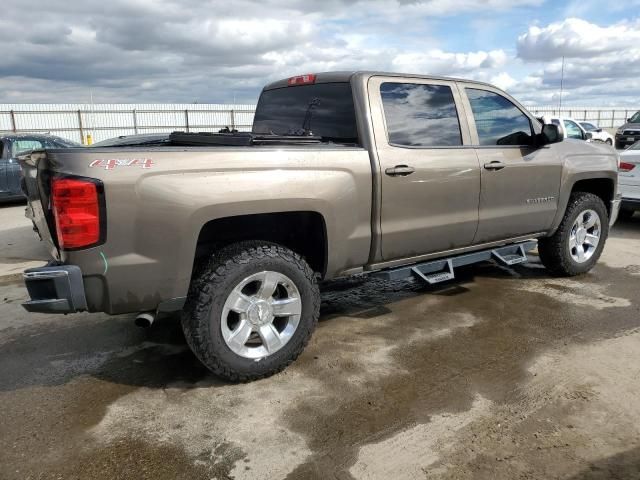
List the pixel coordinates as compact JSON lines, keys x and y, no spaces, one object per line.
{"x":251,"y":310}
{"x":577,"y":244}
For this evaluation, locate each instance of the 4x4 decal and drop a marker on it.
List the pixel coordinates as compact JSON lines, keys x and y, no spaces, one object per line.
{"x":111,"y":163}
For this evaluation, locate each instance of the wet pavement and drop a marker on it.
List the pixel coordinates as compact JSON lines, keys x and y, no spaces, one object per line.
{"x":505,"y":373}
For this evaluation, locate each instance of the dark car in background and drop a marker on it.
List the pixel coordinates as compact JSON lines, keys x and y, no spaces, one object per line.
{"x":11,"y":145}
{"x":629,"y":133}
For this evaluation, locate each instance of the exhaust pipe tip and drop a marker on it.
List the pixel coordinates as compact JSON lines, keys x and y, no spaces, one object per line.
{"x":144,"y":320}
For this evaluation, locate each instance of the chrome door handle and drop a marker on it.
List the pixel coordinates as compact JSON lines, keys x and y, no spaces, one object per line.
{"x":495,"y":165}
{"x":400,"y":171}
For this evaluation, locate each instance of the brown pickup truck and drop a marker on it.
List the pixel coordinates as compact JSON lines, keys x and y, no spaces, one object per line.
{"x":343,"y":173}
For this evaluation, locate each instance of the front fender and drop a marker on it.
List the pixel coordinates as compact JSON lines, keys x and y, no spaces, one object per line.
{"x":584,"y":161}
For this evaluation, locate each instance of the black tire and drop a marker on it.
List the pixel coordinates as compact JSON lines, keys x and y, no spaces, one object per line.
{"x":618,"y":146}
{"x":609,"y":142}
{"x":213,"y":281}
{"x":554,"y":250}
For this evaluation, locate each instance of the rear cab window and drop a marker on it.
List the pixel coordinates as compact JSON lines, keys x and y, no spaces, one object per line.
{"x":321,"y":109}
{"x":420,"y":115}
{"x":498,"y":120}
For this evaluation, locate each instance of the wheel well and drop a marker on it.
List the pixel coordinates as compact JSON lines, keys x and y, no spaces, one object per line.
{"x":601,"y":187}
{"x":302,"y":232}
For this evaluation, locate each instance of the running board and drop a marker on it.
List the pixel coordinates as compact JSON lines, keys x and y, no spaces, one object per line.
{"x":443,"y":269}
{"x":511,"y":257}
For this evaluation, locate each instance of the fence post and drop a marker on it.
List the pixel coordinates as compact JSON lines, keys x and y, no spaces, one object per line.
{"x":13,"y":121}
{"x":613,"y":118}
{"x":135,"y":121}
{"x":80,"y":126}
{"x":599,"y":118}
{"x":186,"y":119}
{"x":233,"y":119}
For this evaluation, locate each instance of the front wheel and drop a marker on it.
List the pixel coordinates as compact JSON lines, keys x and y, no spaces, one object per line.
{"x":577,"y":244}
{"x":251,"y":310}
{"x":609,"y":142}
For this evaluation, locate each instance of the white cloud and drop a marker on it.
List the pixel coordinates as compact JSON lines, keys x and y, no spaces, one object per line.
{"x":445,"y":63}
{"x":504,"y":81}
{"x":576,"y":38}
{"x":598,"y":60}
{"x":215,"y":50}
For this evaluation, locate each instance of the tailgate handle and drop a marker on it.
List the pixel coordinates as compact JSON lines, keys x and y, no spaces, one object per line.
{"x":400,"y":171}
{"x":495,"y":165}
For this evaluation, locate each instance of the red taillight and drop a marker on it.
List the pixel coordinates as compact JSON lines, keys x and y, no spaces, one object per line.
{"x":76,"y":208}
{"x":302,"y":79}
{"x":626,"y":167}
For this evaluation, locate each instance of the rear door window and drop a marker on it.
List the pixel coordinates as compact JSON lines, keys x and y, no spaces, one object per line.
{"x":498,"y":120}
{"x":420,"y":115}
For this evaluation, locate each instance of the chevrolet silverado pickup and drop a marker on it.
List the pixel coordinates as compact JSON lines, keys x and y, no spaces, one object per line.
{"x":343,"y":173}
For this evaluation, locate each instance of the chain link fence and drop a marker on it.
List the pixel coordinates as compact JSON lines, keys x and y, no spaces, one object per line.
{"x":86,"y":124}
{"x":92,"y":123}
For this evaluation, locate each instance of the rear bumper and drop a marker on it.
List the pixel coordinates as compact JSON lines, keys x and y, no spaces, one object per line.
{"x":625,"y":140}
{"x":55,"y":289}
{"x":630,"y":204}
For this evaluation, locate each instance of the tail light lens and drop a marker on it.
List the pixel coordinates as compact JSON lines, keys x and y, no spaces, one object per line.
{"x":77,"y":212}
{"x":626,"y":167}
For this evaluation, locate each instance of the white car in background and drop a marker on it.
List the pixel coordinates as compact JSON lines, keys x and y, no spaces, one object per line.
{"x":569,"y":127}
{"x":598,"y":134}
{"x":629,"y":180}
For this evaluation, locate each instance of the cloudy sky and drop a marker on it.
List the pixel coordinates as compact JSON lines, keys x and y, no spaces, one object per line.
{"x":220,"y":51}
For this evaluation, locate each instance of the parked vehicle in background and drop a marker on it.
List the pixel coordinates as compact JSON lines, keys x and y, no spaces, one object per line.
{"x":569,"y":127}
{"x":629,"y":133}
{"x":343,"y":174}
{"x":629,"y":180}
{"x":13,"y":145}
{"x":597,"y":134}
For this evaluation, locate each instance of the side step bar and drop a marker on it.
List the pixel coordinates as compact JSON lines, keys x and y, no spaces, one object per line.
{"x":442,"y":270}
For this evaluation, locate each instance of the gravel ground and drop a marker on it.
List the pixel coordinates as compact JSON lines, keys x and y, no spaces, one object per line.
{"x":505,"y":373}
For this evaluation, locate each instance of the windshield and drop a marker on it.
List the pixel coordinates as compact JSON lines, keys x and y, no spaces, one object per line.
{"x":588,"y":126}
{"x":635,"y":146}
{"x":324,"y":109}
{"x":635,"y":118}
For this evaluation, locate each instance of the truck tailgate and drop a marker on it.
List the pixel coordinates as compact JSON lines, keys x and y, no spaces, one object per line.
{"x":35,"y":186}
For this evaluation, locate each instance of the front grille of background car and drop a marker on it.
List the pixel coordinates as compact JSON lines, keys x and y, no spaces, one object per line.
{"x":631,"y":132}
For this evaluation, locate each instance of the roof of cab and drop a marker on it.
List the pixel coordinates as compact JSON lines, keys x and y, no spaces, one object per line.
{"x":346,"y":76}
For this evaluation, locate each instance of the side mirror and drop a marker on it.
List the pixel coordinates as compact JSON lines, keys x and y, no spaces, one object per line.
{"x":588,"y":136}
{"x":550,"y":134}
{"x":628,"y":120}
{"x":598,"y":130}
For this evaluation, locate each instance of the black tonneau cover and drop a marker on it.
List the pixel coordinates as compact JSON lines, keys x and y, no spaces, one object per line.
{"x":239,"y":139}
